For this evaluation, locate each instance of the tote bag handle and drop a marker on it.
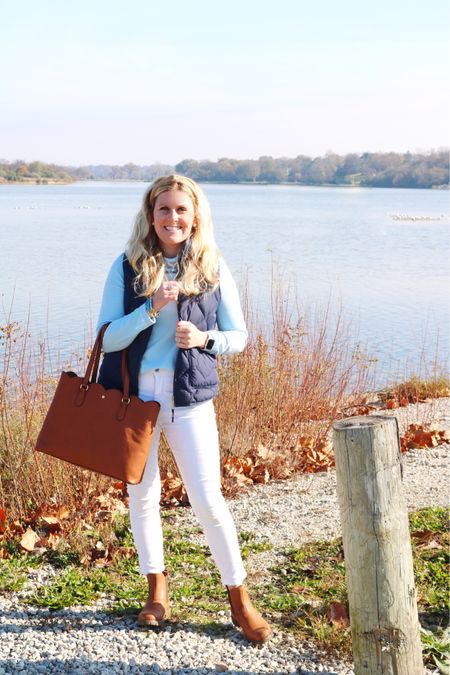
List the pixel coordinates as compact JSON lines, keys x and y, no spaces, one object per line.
{"x":94,"y":360}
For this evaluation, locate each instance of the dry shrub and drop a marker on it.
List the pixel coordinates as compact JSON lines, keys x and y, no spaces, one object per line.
{"x":276,"y":405}
{"x":284,"y":391}
{"x":27,"y":478}
{"x":415,"y":390}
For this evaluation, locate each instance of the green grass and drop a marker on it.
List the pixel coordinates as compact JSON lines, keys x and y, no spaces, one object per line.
{"x":249,"y":545}
{"x":14,"y":571}
{"x":430,"y":540}
{"x":195,"y":582}
{"x":434,"y":519}
{"x":436,"y":648}
{"x":305,"y":583}
{"x":73,"y":586}
{"x":196,"y":589}
{"x":301,"y":587}
{"x":312,"y":576}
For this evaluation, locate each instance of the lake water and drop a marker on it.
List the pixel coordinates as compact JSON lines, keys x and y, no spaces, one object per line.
{"x":336,"y":245}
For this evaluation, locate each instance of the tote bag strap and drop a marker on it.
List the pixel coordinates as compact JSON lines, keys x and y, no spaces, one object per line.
{"x":125,"y":378}
{"x":94,"y":360}
{"x":98,"y":350}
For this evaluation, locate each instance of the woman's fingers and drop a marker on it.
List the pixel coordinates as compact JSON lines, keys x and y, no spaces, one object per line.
{"x":187,"y":335}
{"x":168,"y":291}
{"x":170,"y":288}
{"x":184,"y":329}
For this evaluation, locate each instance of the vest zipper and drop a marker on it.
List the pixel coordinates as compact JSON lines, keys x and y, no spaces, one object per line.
{"x":173,"y":393}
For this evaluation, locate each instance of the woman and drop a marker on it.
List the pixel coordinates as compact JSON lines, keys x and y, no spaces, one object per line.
{"x":172,"y":301}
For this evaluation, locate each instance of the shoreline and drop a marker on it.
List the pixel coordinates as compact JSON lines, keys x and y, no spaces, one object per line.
{"x":55,"y":181}
{"x":38,"y":181}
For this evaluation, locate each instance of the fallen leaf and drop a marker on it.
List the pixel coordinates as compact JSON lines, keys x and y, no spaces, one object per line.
{"x":423,"y":439}
{"x":337,"y":614}
{"x":102,"y":562}
{"x":51,"y":523}
{"x":29,"y":540}
{"x":418,"y":437}
{"x":63,"y":512}
{"x":125,"y":551}
{"x":363,"y":410}
{"x":16,"y":527}
{"x":299,"y":589}
{"x":390,"y":404}
{"x":414,"y":427}
{"x":426,"y":540}
{"x":262,"y":452}
{"x":260,"y":474}
{"x":306,"y":441}
{"x":101,"y":516}
{"x":433,"y":545}
{"x":423,"y":536}
{"x":279,"y":469}
{"x":53,"y":539}
{"x":172,"y":489}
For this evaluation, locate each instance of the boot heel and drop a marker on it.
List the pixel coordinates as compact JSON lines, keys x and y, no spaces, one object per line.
{"x":157,"y":608}
{"x":246,"y":617}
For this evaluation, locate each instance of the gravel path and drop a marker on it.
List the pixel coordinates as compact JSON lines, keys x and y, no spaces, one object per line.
{"x":87,"y":640}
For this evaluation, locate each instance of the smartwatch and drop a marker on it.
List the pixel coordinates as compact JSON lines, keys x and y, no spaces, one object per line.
{"x":210,"y":342}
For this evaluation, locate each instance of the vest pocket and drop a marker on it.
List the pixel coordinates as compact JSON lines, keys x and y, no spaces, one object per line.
{"x":202,"y":370}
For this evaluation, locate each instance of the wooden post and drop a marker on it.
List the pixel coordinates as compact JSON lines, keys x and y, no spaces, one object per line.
{"x":377,"y":547}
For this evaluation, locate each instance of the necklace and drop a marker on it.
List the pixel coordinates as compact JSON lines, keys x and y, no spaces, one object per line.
{"x":172,"y":269}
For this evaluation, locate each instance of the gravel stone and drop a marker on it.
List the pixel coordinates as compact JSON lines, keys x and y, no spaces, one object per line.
{"x":84,"y":640}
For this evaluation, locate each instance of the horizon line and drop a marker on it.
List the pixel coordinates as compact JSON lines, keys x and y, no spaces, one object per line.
{"x":421,"y":151}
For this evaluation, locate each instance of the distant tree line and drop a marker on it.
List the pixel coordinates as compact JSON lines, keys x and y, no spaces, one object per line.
{"x":35,"y":172}
{"x":374,"y":169}
{"x":371,"y":169}
{"x":39,"y":172}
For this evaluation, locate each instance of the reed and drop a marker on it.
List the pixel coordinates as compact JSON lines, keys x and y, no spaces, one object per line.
{"x":296,"y":374}
{"x":29,"y":479}
{"x":292,"y":381}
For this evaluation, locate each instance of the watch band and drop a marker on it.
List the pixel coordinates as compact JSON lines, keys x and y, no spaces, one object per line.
{"x":210,"y":342}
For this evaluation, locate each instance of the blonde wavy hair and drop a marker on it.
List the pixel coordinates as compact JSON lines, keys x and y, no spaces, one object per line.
{"x":199,"y":261}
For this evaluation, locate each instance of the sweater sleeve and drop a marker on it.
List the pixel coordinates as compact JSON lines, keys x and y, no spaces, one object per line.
{"x":231,"y":336}
{"x":123,"y":328}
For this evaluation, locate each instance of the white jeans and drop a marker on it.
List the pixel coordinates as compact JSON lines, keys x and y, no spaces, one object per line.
{"x":193,"y":438}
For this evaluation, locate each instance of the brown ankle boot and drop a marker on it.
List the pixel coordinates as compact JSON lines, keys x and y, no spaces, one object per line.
{"x":157,"y":607}
{"x":244,"y":615}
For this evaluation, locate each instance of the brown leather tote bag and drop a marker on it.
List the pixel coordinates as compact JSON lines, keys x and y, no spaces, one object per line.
{"x":104,"y":430}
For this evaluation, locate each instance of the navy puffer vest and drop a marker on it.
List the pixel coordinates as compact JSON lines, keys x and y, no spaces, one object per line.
{"x":195,"y":378}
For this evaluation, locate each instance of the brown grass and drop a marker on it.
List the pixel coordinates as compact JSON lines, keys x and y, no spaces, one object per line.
{"x":415,"y":389}
{"x":294,"y":378}
{"x":27,"y":478}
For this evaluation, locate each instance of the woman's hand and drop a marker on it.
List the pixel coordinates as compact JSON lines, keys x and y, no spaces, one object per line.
{"x":188,"y":336}
{"x":168,"y":291}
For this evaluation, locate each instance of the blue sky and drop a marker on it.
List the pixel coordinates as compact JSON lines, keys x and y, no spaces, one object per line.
{"x":98,"y":81}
